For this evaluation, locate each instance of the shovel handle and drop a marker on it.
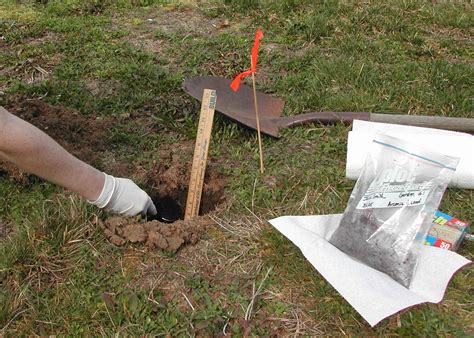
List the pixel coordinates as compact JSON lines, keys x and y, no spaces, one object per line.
{"x":325,"y":117}
{"x":439,"y":122}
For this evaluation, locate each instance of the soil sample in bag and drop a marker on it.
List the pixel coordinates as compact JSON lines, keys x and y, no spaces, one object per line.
{"x":392,"y":205}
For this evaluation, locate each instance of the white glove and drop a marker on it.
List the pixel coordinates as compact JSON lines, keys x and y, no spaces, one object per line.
{"x":122,"y":196}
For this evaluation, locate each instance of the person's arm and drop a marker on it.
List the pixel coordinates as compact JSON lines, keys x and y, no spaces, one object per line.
{"x":35,"y":152}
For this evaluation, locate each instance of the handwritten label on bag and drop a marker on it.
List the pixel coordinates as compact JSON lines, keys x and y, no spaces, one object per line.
{"x":395,"y":188}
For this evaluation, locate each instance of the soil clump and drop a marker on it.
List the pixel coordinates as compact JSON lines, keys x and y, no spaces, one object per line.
{"x":154,"y":234}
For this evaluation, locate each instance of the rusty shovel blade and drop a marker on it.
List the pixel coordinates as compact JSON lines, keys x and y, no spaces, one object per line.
{"x":239,"y":105}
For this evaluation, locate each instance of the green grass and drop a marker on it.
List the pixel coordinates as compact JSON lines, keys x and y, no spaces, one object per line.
{"x":58,"y":273}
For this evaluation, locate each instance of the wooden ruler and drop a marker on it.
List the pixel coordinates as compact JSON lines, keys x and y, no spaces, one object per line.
{"x":200,"y":153}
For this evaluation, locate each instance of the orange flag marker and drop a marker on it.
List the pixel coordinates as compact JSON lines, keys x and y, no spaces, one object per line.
{"x":253,"y":65}
{"x":235,"y":84}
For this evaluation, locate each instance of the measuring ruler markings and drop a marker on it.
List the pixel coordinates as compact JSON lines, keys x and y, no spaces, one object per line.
{"x":201,"y":148}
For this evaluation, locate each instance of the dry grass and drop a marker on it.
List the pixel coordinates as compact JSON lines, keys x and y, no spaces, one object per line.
{"x":243,"y":253}
{"x":41,"y":256}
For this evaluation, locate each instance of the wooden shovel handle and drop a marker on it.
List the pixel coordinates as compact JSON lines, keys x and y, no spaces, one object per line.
{"x":439,"y":122}
{"x":322,"y":117}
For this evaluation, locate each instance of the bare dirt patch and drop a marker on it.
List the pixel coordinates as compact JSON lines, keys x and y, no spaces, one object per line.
{"x":143,"y":30}
{"x":82,"y":136}
{"x":187,"y":20}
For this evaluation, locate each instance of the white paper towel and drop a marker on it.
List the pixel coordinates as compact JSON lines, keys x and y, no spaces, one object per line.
{"x":370,"y":292}
{"x":443,"y":141}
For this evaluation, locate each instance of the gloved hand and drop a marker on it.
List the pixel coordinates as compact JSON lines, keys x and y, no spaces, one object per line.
{"x":122,"y":196}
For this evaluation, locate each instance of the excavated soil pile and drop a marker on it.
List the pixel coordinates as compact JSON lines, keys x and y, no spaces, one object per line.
{"x":168,"y":180}
{"x":154,"y":234}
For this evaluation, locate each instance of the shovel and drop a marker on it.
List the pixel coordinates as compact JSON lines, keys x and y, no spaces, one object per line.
{"x":239,"y":106}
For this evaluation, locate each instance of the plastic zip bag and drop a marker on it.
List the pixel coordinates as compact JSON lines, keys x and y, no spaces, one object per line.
{"x":391,"y":207}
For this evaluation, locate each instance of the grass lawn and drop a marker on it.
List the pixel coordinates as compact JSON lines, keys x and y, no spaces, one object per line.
{"x":117,"y":68}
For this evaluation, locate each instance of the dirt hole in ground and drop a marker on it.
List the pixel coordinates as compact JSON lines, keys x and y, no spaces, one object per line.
{"x":167,"y":184}
{"x":166,"y":181}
